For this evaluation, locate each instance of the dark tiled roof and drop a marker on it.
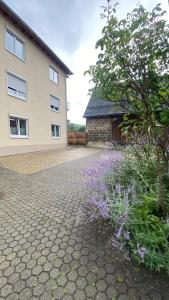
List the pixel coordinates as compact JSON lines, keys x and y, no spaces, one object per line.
{"x":18,"y":21}
{"x":98,"y":107}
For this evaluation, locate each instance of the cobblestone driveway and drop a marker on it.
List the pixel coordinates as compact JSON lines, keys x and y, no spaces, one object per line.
{"x":30,"y":163}
{"x":46,"y":255}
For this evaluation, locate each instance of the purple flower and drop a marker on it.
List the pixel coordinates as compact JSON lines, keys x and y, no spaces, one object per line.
{"x":97,"y":205}
{"x":126,"y":235}
{"x":119,"y":232}
{"x":95,"y":208}
{"x":118,"y":188}
{"x":141,"y":251}
{"x":96,"y":185}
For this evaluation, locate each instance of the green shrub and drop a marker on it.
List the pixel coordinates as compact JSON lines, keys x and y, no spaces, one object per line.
{"x":135,"y":211}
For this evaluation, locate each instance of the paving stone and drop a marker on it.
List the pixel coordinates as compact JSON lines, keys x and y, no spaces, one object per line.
{"x":20,"y":267}
{"x":54,"y":273}
{"x":19,"y":286}
{"x":4,"y":265}
{"x":3,"y":281}
{"x":6,"y":290}
{"x":81,"y":283}
{"x":80,"y":295}
{"x":91,"y":291}
{"x":31,"y":281}
{"x":70,"y":287}
{"x":111,"y":292}
{"x":45,"y":254}
{"x":25,"y":274}
{"x":13,"y":296}
{"x":61,"y":279}
{"x":38,"y":290}
{"x":9,"y":271}
{"x":13,"y":278}
{"x":101,"y":285}
{"x":73,"y":275}
{"x":101,"y":296}
{"x":47,"y":266}
{"x":26,"y":294}
{"x":43,"y":277}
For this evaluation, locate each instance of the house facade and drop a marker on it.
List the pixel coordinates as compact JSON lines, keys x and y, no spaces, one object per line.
{"x":33,"y":114}
{"x":102,"y":122}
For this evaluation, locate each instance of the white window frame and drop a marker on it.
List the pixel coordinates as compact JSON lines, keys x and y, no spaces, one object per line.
{"x":19,"y":136}
{"x":54,"y":70}
{"x":52,"y":109}
{"x":16,"y":37}
{"x":17,"y":92}
{"x":56,"y":137}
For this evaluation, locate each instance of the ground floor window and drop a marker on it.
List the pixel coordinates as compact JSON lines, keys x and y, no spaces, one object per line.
{"x":18,"y":126}
{"x":55,"y":129}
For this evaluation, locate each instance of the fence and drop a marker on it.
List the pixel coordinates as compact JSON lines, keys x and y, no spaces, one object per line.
{"x":77,"y":138}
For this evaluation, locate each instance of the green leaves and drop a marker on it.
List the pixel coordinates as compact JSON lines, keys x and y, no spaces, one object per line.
{"x":133,"y":50}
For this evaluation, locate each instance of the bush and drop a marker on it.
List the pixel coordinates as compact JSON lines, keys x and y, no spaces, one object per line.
{"x":125,"y":191}
{"x":135,"y":212}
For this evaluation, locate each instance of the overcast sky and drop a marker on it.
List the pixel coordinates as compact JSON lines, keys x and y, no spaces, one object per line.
{"x":71,"y":28}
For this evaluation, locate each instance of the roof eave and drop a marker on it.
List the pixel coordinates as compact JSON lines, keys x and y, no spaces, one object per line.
{"x":104,"y":115}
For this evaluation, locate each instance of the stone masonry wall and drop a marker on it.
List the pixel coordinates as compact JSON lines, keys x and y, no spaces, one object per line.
{"x":99,"y":130}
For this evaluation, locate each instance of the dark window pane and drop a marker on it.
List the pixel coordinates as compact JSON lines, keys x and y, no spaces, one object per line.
{"x":22,"y":127}
{"x":57,"y":131}
{"x":53,"y":130}
{"x":13,"y":126}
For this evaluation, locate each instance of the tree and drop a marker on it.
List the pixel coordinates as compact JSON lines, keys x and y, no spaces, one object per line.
{"x":76,"y":127}
{"x":133,"y":64}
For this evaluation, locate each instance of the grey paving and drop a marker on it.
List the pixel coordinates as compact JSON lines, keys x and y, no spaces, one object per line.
{"x":46,"y":254}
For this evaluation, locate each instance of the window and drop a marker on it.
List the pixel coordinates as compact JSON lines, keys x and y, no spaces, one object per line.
{"x":53,"y":74}
{"x":18,"y":127}
{"x":55,"y":130}
{"x":54,"y":103}
{"x":15,"y":45}
{"x":16,"y":86}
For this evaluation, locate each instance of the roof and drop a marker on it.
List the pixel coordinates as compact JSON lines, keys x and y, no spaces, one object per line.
{"x":18,"y":21}
{"x":98,"y":107}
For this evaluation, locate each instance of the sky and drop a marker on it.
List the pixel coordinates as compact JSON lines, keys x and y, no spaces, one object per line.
{"x":71,"y":29}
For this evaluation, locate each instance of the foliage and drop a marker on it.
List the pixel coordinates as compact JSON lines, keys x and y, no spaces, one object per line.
{"x":133,"y":70}
{"x":135,"y":211}
{"x":76,"y":127}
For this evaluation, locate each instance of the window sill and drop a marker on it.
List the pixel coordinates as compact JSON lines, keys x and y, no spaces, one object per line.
{"x":23,"y":99}
{"x":19,"y":136}
{"x":56,"y":137}
{"x":21,"y":59}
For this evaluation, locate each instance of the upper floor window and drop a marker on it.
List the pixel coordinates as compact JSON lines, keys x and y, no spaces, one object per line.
{"x":53,"y":74}
{"x":16,"y":86}
{"x":15,"y":45}
{"x":18,"y":127}
{"x":54,"y":103}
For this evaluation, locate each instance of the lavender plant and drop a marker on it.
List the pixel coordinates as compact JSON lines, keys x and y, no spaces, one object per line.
{"x":97,"y":206}
{"x":124,"y":191}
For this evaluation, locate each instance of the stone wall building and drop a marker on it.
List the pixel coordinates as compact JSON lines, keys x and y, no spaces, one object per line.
{"x":102,"y":122}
